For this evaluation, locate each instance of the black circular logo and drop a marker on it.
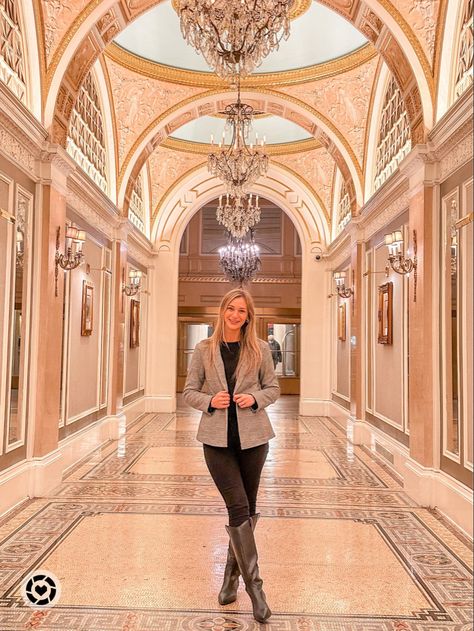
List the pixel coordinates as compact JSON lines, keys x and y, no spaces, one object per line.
{"x":41,"y":589}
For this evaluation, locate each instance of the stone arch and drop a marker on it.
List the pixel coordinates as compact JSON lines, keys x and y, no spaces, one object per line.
{"x":280,"y":186}
{"x":30,"y":38}
{"x":380,"y":22}
{"x":265,"y":100}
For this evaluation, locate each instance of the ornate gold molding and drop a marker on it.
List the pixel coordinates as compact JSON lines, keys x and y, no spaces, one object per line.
{"x":277,"y":149}
{"x":298,"y":9}
{"x":280,"y":280}
{"x":195,"y":78}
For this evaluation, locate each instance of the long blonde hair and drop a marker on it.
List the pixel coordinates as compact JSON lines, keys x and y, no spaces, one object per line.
{"x":250,"y":351}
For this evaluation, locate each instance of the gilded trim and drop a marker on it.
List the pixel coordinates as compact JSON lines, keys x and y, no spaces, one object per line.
{"x":313,"y":113}
{"x":66,"y":39}
{"x":299,"y":8}
{"x":415,"y":43}
{"x":370,"y":113}
{"x":39,"y":24}
{"x":277,"y":149}
{"x":200,"y":79}
{"x":105,"y":70}
{"x":170,"y":188}
{"x":309,"y":186}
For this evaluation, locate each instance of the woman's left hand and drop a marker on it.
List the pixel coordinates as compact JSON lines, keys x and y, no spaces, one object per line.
{"x":244,"y":400}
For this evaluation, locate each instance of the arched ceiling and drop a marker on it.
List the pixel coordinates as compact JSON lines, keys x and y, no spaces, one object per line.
{"x":317,"y":36}
{"x":318,"y":90}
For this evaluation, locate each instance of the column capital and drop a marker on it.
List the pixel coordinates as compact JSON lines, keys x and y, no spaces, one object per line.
{"x":420,"y":167}
{"x":55,"y":166}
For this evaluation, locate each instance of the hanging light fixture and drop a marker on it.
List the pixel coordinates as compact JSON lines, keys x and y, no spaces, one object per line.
{"x":239,"y":164}
{"x":234,"y":36}
{"x":239,"y":259}
{"x":238,"y":214}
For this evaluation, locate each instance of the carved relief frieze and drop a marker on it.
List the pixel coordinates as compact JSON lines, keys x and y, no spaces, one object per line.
{"x":370,"y":25}
{"x":317,"y":168}
{"x":166,"y":167}
{"x":15,"y":150}
{"x":138,"y":101}
{"x":138,"y":254}
{"x":343,"y":99}
{"x":392,"y":207}
{"x":82,"y":62}
{"x":58,"y":17}
{"x":396,"y":61}
{"x":90,"y":213}
{"x":455,"y":155}
{"x":422,"y":16}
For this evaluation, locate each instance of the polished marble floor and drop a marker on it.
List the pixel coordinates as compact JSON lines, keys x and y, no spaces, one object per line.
{"x":135,"y":534}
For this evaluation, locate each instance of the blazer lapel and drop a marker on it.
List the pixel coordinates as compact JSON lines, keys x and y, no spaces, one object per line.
{"x":219,"y":366}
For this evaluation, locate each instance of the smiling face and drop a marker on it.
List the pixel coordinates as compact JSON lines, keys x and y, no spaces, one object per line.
{"x":235,"y":316}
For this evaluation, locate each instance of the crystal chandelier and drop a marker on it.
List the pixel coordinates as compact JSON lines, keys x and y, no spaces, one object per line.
{"x":238,"y":214}
{"x":239,"y":259}
{"x":234,"y":36}
{"x":238,"y":165}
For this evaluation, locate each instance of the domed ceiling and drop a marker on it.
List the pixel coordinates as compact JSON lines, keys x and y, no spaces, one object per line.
{"x":317,"y":35}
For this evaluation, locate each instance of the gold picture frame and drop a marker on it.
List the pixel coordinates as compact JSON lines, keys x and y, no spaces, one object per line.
{"x":87,"y":312}
{"x":341,"y":322}
{"x":385,"y":314}
{"x":134,"y":323}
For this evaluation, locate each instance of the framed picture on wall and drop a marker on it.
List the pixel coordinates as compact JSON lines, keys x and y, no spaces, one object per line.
{"x":134,"y":323}
{"x":385,"y":313}
{"x":341,"y":322}
{"x":87,"y":315}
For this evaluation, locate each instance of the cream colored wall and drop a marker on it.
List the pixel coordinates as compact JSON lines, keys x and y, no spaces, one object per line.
{"x":343,"y":350}
{"x":388,"y":359}
{"x":84,"y":351}
{"x":135,"y":357}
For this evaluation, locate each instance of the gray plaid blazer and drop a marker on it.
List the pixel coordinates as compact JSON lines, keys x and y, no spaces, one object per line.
{"x":206,"y":379}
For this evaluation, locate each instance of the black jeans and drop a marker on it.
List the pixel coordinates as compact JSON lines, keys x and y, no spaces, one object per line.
{"x":236,"y":473}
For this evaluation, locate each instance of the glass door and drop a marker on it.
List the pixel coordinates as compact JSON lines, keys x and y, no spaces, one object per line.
{"x":283,"y":337}
{"x":190,"y":332}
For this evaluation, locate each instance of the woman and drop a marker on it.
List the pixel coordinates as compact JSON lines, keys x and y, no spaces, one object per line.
{"x":231,"y":379}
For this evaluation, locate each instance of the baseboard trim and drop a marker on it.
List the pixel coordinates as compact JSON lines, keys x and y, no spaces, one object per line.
{"x":165,"y":404}
{"x":314,"y":407}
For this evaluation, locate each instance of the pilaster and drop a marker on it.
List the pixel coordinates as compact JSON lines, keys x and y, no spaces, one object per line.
{"x":54,"y":168}
{"x":422,"y":405}
{"x":357,"y":326}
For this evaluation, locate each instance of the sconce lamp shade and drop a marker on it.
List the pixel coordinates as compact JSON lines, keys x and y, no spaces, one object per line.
{"x":389,"y":239}
{"x":398,"y":237}
{"x":80,"y":236}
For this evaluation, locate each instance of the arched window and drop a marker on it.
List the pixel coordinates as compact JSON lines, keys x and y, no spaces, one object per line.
{"x":12,"y":58}
{"x":394,"y":136}
{"x":136,"y":210}
{"x":465,"y":55}
{"x":343,"y":208}
{"x":86,"y":138}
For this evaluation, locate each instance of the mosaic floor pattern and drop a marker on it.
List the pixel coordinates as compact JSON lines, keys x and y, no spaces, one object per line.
{"x":135,"y":534}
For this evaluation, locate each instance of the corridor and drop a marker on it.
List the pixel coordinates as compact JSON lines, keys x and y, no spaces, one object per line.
{"x":135,"y":535}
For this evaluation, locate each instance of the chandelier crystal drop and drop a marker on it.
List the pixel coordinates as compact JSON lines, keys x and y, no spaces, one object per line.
{"x":238,"y":165}
{"x":234,"y":36}
{"x":239,"y":259}
{"x":238,"y":214}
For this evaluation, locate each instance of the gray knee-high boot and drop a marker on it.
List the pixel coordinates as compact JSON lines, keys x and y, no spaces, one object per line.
{"x":245,"y":550}
{"x":228,"y":592}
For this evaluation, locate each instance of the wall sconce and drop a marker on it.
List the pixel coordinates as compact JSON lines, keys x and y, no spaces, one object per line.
{"x":73,"y":255}
{"x":133,"y":287}
{"x":341,"y":289}
{"x":20,"y":247}
{"x":396,"y":259}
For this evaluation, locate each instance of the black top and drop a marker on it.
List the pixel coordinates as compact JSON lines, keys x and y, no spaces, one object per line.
{"x":230,"y":352}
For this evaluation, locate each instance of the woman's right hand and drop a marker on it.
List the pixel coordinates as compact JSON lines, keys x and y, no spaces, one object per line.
{"x":221,"y":400}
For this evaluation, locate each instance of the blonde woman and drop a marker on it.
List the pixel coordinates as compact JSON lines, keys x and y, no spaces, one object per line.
{"x":231,"y":379}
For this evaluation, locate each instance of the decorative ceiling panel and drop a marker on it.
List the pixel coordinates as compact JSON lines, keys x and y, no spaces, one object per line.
{"x":58,"y":17}
{"x":344,"y":99}
{"x":317,"y":168}
{"x":139,"y":101}
{"x":422,"y":16}
{"x":166,"y":167}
